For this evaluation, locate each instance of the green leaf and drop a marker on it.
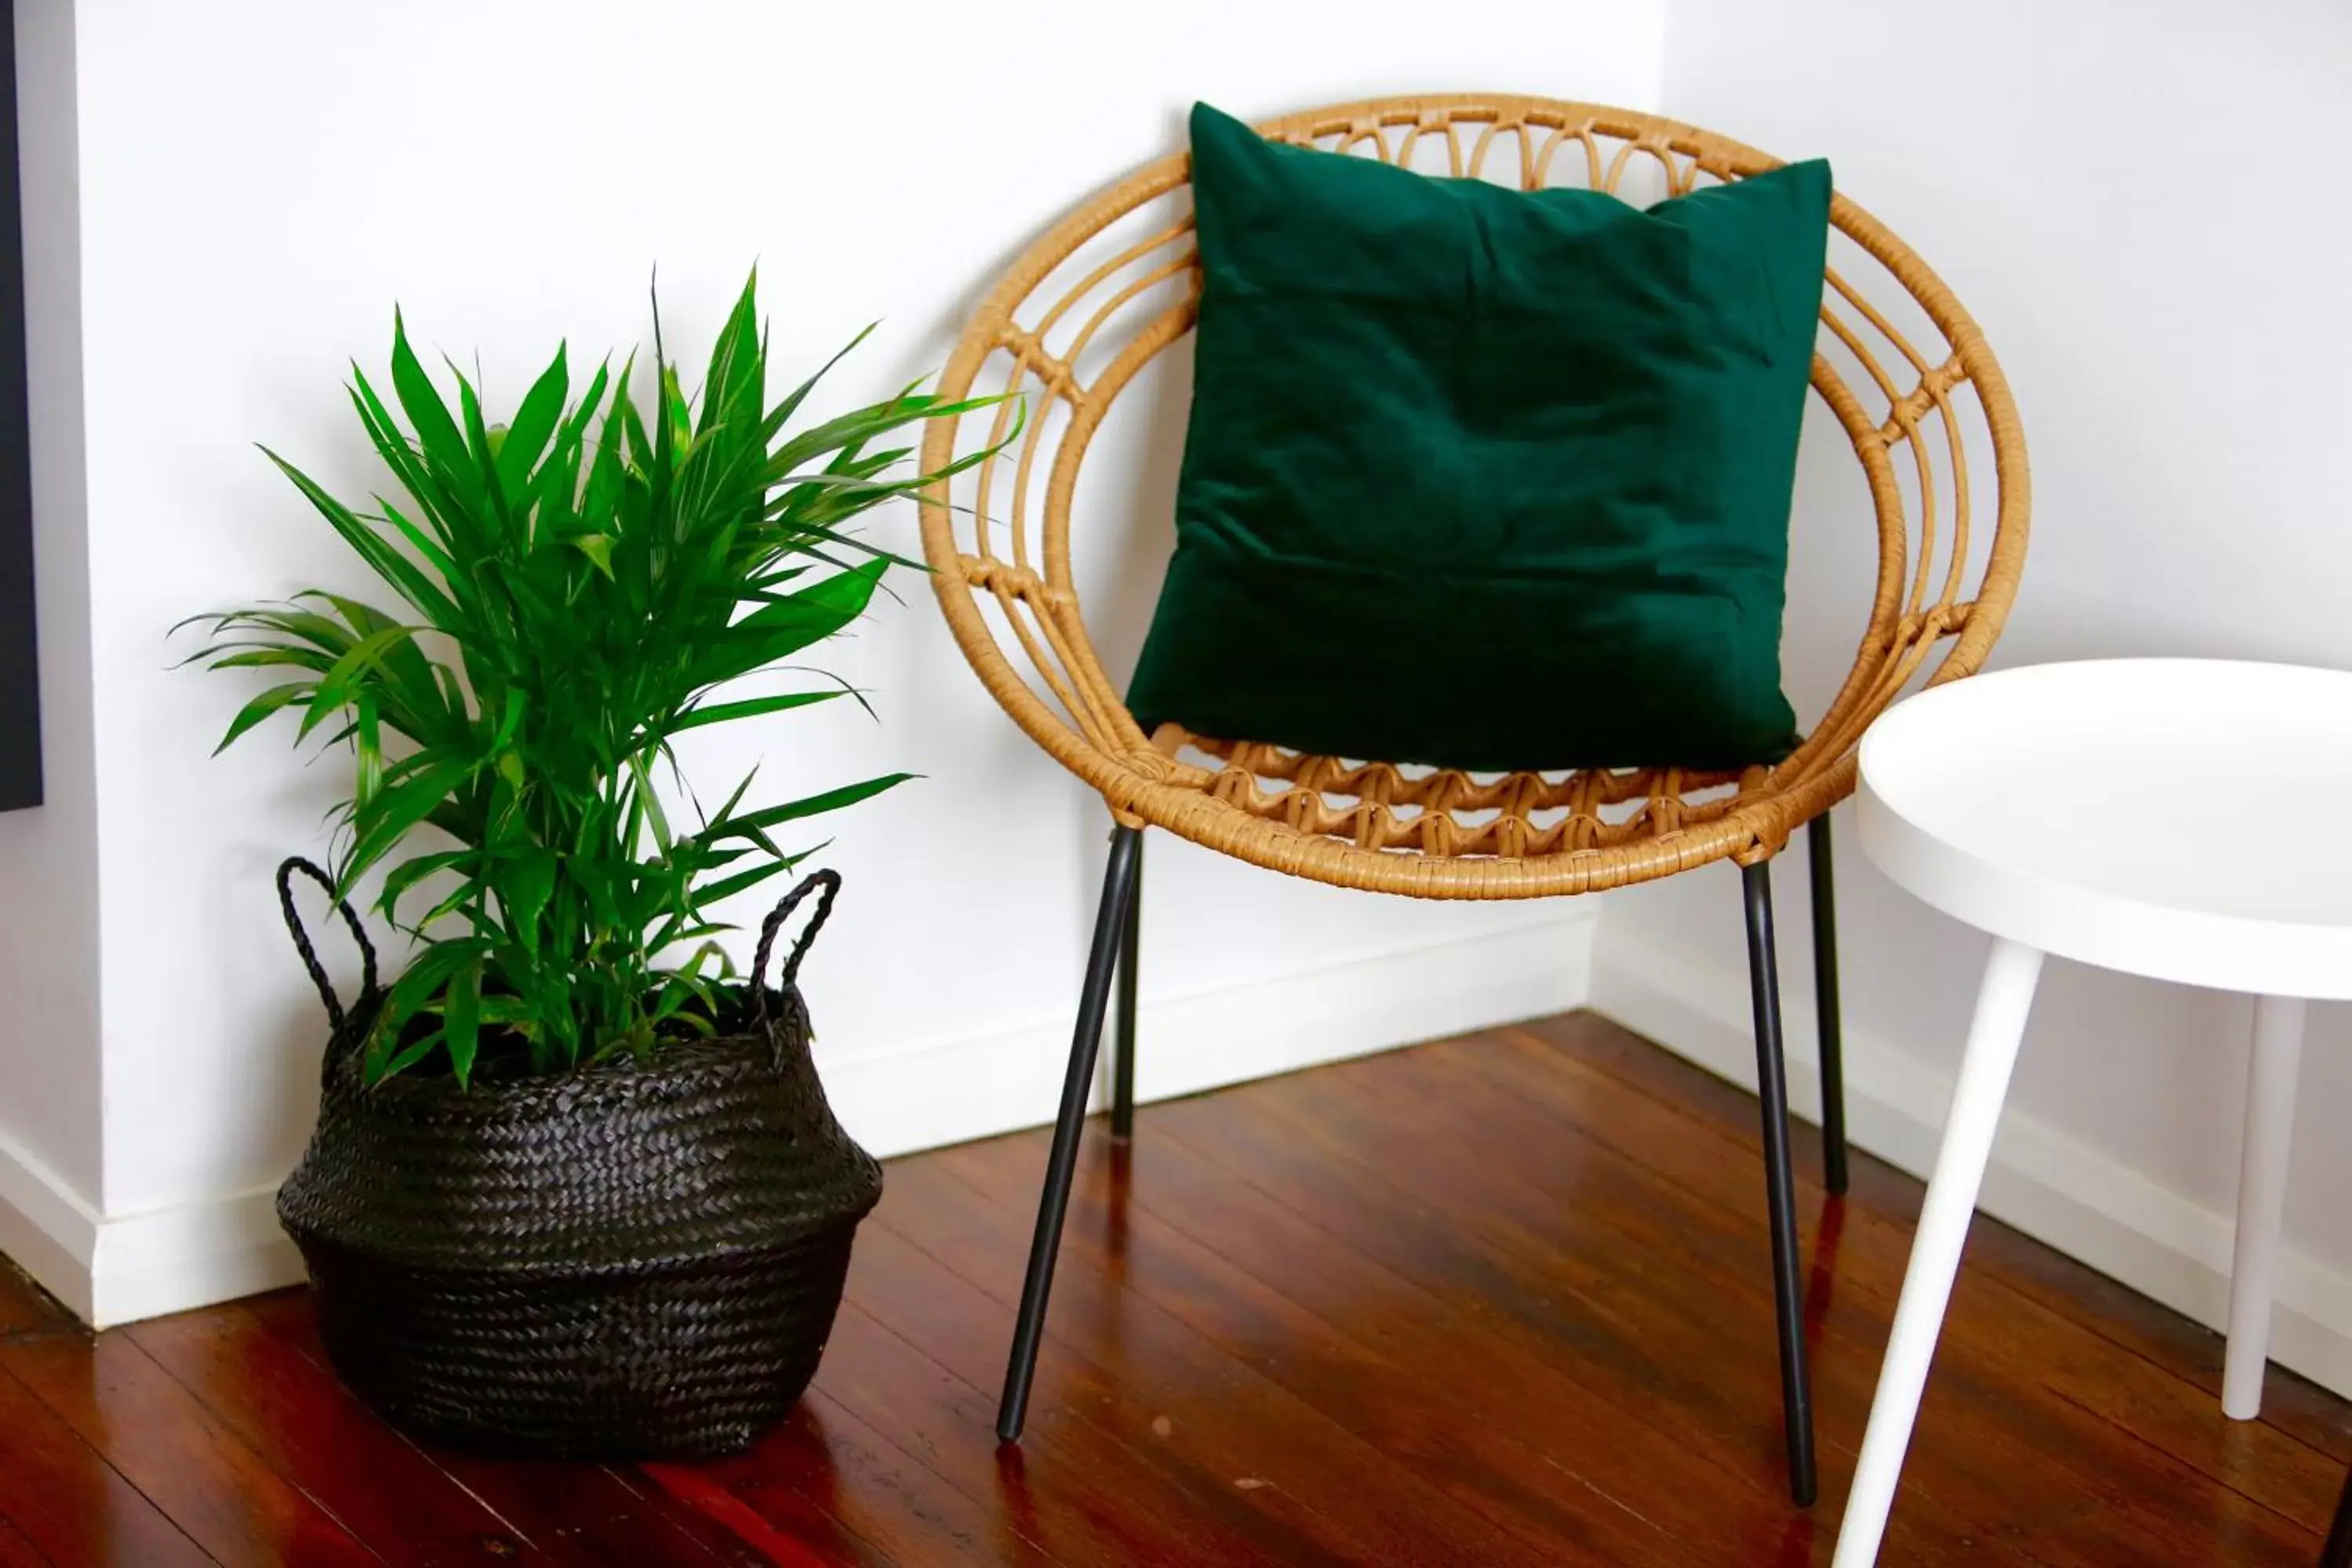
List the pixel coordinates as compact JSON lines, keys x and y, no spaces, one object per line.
{"x":412,"y":870}
{"x":525,"y":885}
{"x":269,"y":656}
{"x":422,"y":542}
{"x":810,"y":806}
{"x":784,"y":627}
{"x":402,"y":659}
{"x":509,"y":721}
{"x":389,"y":564}
{"x":833,"y":601}
{"x":647,"y":800}
{"x":791,"y":405}
{"x":534,"y":422}
{"x":465,"y":896}
{"x":730,"y":388}
{"x":865,"y":424}
{"x":597,"y":547}
{"x":726,"y":712}
{"x":461,"y":1019}
{"x":399,"y":454}
{"x":261,"y":707}
{"x":605,"y":480}
{"x":337,"y":686}
{"x":367,"y":745}
{"x":390,"y":815}
{"x":481,"y":453}
{"x":412,"y":992}
{"x":718,"y":888}
{"x":444,"y":448}
{"x":409,"y":1055}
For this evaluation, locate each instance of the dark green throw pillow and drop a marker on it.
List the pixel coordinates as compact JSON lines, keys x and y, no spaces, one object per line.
{"x":1486,"y":477}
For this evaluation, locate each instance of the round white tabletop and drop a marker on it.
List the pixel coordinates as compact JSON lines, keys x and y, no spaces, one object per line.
{"x":2171,"y":818}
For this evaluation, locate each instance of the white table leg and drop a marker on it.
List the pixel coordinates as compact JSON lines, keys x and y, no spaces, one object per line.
{"x":2261,"y":1193}
{"x":2003,"y":1002}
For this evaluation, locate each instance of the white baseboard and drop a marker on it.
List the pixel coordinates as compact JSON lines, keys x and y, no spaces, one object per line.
{"x":1000,"y":1083}
{"x":47,"y":1227}
{"x":117,"y":1270}
{"x":109,"y":1270}
{"x":191,"y":1254}
{"x":2041,"y":1181}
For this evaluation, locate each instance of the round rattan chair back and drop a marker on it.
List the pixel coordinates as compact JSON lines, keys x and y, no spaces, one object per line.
{"x":1903,"y":370}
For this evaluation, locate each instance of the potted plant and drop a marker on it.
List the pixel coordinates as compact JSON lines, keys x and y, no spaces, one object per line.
{"x":575,"y":1189}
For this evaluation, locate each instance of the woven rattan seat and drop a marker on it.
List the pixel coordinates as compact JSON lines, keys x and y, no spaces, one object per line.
{"x":1906,"y":380}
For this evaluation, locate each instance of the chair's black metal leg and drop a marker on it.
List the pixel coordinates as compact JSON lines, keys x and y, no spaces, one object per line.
{"x":1780,"y":1185}
{"x":1825,"y":1005}
{"x":1094,"y":998}
{"x":2338,"y":1551}
{"x":1122,"y":1060}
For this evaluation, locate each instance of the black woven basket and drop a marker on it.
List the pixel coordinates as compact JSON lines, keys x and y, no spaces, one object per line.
{"x":621,"y":1262}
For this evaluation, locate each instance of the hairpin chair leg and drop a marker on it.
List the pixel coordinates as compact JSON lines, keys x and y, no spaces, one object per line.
{"x":1825,"y":1005}
{"x":2338,"y":1551}
{"x":1093,"y":999}
{"x":1779,"y":1185}
{"x":1122,"y":1060}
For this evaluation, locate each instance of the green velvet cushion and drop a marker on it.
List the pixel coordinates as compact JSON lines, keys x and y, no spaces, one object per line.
{"x":1482,"y":477}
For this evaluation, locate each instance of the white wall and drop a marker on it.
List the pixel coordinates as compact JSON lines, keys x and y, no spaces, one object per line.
{"x":2135,"y":201}
{"x":223,"y":203}
{"x":259,"y":180}
{"x":48,"y":854}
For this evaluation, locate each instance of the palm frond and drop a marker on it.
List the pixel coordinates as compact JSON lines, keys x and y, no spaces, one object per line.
{"x":574,"y":588}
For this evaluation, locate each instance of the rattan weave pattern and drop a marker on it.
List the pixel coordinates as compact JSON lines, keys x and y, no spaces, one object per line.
{"x":1114,"y":284}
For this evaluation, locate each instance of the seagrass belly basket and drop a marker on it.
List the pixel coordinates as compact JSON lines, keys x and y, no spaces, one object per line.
{"x":631,"y":1261}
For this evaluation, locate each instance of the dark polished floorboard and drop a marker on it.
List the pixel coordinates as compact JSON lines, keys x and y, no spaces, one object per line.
{"x":1500,"y":1300}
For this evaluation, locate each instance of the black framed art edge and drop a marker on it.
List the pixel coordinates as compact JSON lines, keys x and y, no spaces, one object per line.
{"x":20,"y":696}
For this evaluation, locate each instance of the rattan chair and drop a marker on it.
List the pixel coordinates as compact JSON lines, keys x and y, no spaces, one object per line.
{"x":1907,"y":378}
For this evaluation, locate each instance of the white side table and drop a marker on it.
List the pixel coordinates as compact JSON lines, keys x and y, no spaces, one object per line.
{"x":2125,"y":813}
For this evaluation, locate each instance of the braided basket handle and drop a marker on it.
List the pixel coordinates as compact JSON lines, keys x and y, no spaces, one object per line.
{"x":335,"y":1015}
{"x":830,"y":880}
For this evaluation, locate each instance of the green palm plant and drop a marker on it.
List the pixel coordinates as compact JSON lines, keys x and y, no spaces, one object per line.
{"x":577,"y":587}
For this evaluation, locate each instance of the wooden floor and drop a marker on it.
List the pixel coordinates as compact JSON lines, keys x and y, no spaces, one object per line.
{"x":1502,"y":1300}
